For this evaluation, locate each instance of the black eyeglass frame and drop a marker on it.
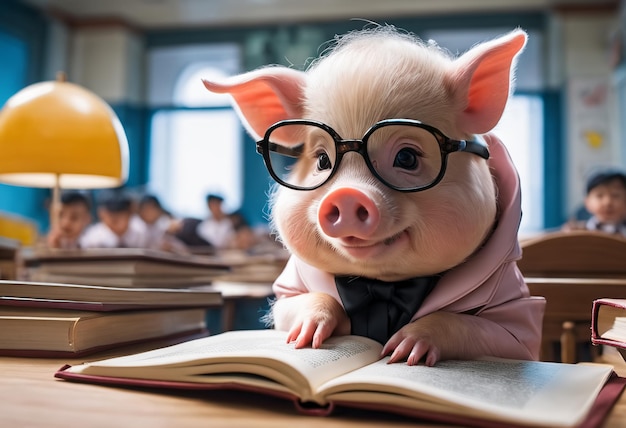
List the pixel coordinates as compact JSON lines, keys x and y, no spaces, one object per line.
{"x":447,"y":145}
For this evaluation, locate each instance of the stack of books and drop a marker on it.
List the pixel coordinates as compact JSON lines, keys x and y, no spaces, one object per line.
{"x":40,"y":319}
{"x":137,"y":267}
{"x":123,"y":267}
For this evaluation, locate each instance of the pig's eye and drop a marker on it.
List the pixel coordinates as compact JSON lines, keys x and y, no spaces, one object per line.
{"x":323,"y":161}
{"x":406,"y":158}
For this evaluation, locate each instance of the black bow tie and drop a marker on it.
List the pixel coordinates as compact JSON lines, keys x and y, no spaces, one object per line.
{"x":378,"y":309}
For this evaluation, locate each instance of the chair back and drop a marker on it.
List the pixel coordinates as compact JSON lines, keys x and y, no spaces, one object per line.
{"x":578,"y":253}
{"x":572,"y":269}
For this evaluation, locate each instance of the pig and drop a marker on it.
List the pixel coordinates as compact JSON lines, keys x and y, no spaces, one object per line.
{"x":389,"y":237}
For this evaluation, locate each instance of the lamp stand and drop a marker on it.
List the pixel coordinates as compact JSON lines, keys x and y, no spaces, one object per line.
{"x":55,"y":205}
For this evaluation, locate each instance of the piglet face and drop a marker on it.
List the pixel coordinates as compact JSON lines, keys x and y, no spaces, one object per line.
{"x":353,"y":223}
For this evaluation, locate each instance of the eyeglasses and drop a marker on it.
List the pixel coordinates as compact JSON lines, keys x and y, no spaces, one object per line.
{"x":406,"y":155}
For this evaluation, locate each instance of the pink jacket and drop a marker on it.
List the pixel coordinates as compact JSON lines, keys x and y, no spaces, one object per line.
{"x":488,"y":284}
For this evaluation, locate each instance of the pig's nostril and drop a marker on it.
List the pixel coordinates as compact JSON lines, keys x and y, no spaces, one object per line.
{"x":333,"y":214}
{"x":362,"y":213}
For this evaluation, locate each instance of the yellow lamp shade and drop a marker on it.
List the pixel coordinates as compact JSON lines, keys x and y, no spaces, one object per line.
{"x":59,"y":134}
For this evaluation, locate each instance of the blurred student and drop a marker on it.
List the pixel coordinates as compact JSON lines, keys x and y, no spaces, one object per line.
{"x":244,"y":238}
{"x":73,"y":218}
{"x":217,"y":229}
{"x":152,"y":216}
{"x":605,"y":201}
{"x":157,"y":224}
{"x":114,"y":229}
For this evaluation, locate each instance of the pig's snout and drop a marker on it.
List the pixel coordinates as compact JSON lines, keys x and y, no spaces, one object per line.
{"x":347,"y":212}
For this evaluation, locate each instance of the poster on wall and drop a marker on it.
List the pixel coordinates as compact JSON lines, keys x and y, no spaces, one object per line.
{"x":590,"y":141}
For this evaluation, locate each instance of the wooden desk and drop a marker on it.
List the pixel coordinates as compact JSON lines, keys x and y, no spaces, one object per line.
{"x":569,"y":300}
{"x":234,"y":291}
{"x":31,"y":397}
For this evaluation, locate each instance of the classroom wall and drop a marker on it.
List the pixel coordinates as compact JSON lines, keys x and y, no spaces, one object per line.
{"x":108,"y":59}
{"x":592,"y":131}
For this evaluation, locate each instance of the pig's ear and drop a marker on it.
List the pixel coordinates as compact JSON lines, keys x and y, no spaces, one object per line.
{"x":265,"y":96}
{"x":481,"y":81}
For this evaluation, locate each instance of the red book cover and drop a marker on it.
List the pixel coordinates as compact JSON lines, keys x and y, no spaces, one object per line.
{"x":604,"y":330}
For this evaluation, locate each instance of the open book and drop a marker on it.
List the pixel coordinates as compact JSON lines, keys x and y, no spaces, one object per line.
{"x":347,"y":371}
{"x":608,"y":323}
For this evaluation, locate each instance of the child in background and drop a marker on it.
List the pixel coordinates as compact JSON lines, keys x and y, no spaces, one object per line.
{"x":244,"y":238}
{"x":152,"y":216}
{"x":74,"y":217}
{"x":606,"y":202}
{"x":157,"y":223}
{"x":218,"y":229}
{"x":114,"y":230}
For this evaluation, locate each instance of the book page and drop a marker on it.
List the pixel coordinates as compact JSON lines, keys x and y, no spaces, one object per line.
{"x":259,"y":352}
{"x":534,"y":392}
{"x":618,"y":331}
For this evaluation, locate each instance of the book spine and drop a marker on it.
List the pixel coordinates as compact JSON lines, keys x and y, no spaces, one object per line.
{"x":595,"y":308}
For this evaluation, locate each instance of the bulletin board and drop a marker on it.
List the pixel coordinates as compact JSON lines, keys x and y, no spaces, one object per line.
{"x":591,"y":144}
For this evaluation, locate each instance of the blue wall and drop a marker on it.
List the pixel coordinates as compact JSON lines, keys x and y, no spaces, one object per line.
{"x":553,"y":169}
{"x":134,"y":120}
{"x":22,"y":33}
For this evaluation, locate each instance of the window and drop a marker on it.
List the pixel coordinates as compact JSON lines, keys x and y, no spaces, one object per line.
{"x":194,"y":153}
{"x":196,"y":138}
{"x":521,"y":131}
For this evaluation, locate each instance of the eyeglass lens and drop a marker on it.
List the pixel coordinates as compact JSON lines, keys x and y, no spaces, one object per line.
{"x":404,"y":156}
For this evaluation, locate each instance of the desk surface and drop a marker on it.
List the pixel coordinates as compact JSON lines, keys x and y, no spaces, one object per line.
{"x":31,"y":397}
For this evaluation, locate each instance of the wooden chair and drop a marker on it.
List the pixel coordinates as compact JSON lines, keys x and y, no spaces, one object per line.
{"x":571,"y":269}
